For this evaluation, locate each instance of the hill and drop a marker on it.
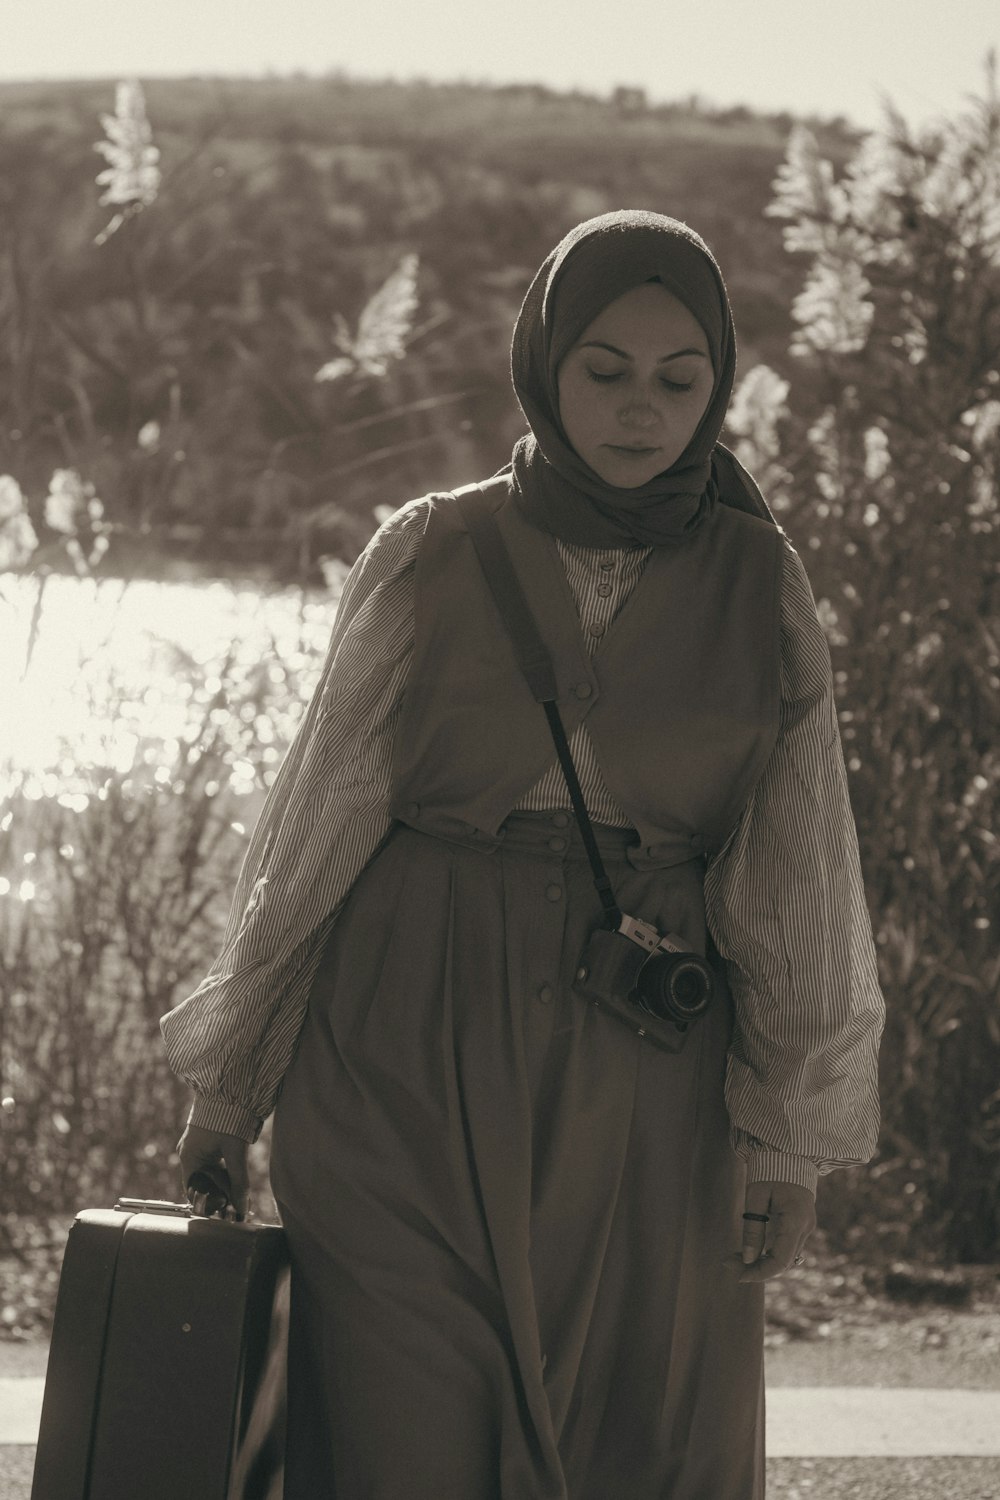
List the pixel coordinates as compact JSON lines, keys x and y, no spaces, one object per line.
{"x":287,"y":201}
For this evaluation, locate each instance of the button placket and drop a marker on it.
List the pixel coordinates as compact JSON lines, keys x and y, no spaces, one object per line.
{"x":603,"y":604}
{"x":542,"y":978}
{"x":542,"y":996}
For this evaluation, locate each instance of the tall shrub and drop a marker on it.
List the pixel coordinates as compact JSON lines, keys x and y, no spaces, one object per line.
{"x":883,"y":457}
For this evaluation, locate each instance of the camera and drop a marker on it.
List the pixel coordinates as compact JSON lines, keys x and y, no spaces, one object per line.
{"x":651,"y":981}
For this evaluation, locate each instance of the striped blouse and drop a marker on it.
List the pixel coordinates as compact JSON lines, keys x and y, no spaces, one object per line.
{"x":784,"y":897}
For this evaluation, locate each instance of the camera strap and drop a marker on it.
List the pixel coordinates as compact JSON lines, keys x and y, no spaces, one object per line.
{"x":535,"y":662}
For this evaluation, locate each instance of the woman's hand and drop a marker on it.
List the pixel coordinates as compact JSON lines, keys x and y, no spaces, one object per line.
{"x":770,"y":1248}
{"x":223,"y":1158}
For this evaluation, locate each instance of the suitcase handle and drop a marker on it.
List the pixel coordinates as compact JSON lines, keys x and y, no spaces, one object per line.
{"x":214,"y":1202}
{"x":152,"y":1206}
{"x":158,"y":1206}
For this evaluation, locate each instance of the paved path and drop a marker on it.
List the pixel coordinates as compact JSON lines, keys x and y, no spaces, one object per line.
{"x":20,"y":1409}
{"x":802,"y":1421}
{"x":872,"y":1422}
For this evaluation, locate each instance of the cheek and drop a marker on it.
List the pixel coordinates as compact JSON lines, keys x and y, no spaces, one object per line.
{"x":579,"y":405}
{"x":688,"y":414}
{"x":693,"y":415}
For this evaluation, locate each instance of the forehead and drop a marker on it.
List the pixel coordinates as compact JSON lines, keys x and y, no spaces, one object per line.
{"x":649,"y":314}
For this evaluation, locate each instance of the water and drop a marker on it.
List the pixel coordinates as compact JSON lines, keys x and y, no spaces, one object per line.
{"x":103,"y":686}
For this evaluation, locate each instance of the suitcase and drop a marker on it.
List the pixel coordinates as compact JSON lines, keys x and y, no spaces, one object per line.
{"x":166,"y":1372}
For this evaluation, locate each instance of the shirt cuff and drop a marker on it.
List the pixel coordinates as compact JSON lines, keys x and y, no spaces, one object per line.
{"x":776,"y":1166}
{"x":211,"y":1113}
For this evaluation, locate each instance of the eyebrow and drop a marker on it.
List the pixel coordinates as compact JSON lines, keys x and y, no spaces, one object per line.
{"x":600,"y":344}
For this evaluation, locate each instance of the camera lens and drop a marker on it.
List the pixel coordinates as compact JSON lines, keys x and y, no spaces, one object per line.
{"x":688,"y":988}
{"x":675,"y":987}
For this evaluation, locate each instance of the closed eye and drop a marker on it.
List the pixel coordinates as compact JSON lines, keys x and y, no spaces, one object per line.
{"x":670,"y":385}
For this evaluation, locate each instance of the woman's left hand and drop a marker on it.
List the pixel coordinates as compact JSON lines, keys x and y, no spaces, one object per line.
{"x":769,"y":1249}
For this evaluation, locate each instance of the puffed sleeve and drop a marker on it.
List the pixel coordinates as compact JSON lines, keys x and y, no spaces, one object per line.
{"x":325,"y":815}
{"x":786,"y":908}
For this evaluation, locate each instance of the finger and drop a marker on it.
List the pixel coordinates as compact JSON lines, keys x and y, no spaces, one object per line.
{"x":211,"y":1181}
{"x":754,"y":1241}
{"x":776,"y":1256}
{"x":208,"y":1191}
{"x":756,"y":1229}
{"x":194,"y":1166}
{"x":800,"y":1251}
{"x":205,"y":1179}
{"x":757,"y":1200}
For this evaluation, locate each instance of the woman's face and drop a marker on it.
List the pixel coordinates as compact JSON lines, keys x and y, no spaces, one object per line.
{"x":635,"y":385}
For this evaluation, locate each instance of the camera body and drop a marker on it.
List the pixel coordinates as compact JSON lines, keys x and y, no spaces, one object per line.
{"x":651,"y":981}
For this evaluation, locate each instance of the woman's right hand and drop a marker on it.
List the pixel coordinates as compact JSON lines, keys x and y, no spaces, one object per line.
{"x":222,"y":1158}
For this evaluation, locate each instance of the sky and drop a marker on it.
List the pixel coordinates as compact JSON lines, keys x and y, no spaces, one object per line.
{"x":822,"y":57}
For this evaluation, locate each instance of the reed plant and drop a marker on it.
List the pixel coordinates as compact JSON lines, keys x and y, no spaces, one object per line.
{"x":882,"y":456}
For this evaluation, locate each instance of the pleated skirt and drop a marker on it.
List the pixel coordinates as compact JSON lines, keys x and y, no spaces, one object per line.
{"x":507,"y":1213}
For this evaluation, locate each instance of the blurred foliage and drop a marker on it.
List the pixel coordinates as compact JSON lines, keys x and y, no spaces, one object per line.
{"x":117,"y":864}
{"x":883,"y":464}
{"x":170,"y":357}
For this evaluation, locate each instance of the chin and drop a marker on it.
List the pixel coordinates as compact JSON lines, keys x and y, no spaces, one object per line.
{"x":626,"y":475}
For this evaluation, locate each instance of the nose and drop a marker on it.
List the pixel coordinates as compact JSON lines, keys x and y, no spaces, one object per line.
{"x":638,"y":415}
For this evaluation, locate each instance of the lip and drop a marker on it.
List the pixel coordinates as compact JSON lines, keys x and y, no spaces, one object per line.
{"x":631,"y":450}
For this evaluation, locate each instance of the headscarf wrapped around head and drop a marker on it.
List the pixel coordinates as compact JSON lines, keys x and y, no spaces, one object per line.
{"x":594,"y":264}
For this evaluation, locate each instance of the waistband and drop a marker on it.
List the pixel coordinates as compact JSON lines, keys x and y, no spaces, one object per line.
{"x":553,"y":831}
{"x":557,"y":832}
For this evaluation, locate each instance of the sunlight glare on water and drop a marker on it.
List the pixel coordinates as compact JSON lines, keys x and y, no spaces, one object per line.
{"x":101,"y":679}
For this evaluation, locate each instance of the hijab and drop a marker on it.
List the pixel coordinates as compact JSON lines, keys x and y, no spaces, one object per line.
{"x":593,"y":265}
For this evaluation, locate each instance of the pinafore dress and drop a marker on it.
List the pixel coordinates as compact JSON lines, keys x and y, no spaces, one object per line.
{"x":508,"y":1213}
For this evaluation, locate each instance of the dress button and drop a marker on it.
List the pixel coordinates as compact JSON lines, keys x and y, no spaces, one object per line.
{"x":553,"y":892}
{"x":561,"y":819}
{"x":606,"y":567}
{"x":596,"y":628}
{"x":545,"y":993}
{"x":557,"y":844}
{"x":583,"y":690}
{"x":604,"y":589}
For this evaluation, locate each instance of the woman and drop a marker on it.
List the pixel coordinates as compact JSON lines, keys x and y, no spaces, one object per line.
{"x":522,"y":1263}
